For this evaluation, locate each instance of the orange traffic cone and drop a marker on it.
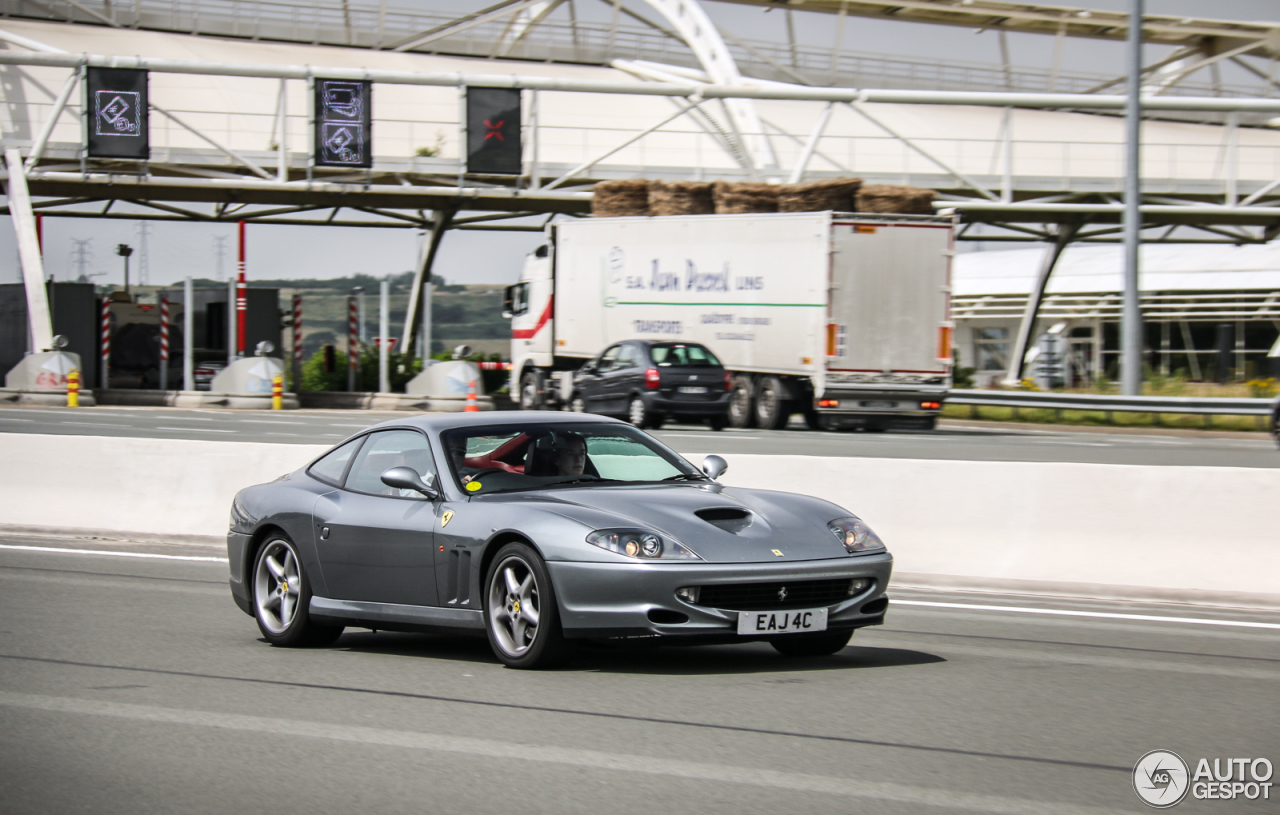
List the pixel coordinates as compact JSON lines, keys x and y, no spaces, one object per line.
{"x":471,"y":407}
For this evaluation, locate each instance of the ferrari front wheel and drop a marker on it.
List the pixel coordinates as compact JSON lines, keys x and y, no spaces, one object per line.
{"x":521,"y":615}
{"x":282,"y":596}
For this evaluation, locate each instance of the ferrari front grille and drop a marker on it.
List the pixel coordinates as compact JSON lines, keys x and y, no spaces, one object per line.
{"x":766,"y":596}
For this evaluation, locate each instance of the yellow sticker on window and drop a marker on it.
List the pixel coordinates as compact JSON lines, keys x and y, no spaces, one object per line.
{"x":472,"y":486}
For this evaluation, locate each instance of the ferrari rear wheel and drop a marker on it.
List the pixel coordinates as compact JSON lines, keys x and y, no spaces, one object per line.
{"x":811,"y":645}
{"x":282,"y":597}
{"x":521,"y":615}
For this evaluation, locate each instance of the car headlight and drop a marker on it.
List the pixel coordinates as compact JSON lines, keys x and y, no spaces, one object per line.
{"x":640,"y":544}
{"x":855,"y":536}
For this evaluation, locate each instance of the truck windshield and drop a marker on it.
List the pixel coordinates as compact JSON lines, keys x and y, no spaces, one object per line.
{"x":515,"y":457}
{"x":680,"y":355}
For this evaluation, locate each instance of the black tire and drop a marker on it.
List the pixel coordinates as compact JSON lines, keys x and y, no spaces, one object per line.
{"x":276,"y":567}
{"x":742,"y":412}
{"x":773,"y":410}
{"x":530,"y":398}
{"x":718,"y":423}
{"x":930,"y":423}
{"x":811,"y":645}
{"x":638,"y":414}
{"x":509,"y":637}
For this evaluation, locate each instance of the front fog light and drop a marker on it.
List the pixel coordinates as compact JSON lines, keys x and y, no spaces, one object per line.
{"x":858,"y":585}
{"x":855,"y":536}
{"x":689,"y":594}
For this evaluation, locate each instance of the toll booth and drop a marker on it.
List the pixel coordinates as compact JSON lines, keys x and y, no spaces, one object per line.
{"x":135,"y":329}
{"x":74,"y":309}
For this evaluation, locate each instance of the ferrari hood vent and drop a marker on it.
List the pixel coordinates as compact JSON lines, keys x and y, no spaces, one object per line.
{"x":730,"y":519}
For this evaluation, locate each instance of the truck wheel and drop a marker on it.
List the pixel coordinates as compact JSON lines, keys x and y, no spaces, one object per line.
{"x":773,"y":410}
{"x":812,"y":420}
{"x":741,"y":405}
{"x":529,"y":396}
{"x":931,"y":423}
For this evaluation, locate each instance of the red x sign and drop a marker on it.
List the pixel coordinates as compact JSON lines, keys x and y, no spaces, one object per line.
{"x":495,"y":130}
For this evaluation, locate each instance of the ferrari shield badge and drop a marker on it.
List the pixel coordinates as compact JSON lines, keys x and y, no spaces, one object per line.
{"x":445,"y":517}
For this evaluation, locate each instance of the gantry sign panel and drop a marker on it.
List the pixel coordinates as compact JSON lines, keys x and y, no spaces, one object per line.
{"x":493,"y":131}
{"x":343,"y":123}
{"x":117,"y":106}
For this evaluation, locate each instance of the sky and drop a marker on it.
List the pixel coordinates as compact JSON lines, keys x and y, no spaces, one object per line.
{"x":180,"y":249}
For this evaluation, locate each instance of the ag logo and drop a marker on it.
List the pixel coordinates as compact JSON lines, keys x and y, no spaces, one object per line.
{"x":445,"y":517}
{"x":1161,"y":779}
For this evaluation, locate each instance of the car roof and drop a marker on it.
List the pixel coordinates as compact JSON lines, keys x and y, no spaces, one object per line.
{"x":435,"y":423}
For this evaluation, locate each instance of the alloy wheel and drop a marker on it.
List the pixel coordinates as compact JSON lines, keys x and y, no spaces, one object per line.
{"x":514,"y":606}
{"x":277,"y":585}
{"x":636,"y":412}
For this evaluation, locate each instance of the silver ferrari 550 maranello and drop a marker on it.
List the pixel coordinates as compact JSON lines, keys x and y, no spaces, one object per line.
{"x":544,"y":530}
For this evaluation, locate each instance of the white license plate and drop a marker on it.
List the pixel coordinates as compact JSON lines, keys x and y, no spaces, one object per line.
{"x":795,"y":621}
{"x":692,"y":389}
{"x":881,"y":405}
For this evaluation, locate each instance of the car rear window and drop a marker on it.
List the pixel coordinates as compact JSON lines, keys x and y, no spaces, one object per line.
{"x":680,"y":355}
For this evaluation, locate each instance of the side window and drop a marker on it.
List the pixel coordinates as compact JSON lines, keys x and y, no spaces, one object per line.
{"x":609,"y":361}
{"x":330,"y":468}
{"x":629,"y":358}
{"x":384,"y":450}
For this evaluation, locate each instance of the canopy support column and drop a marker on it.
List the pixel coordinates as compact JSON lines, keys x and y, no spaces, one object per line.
{"x":1034,"y":298}
{"x":422,"y":276}
{"x":39,"y":323}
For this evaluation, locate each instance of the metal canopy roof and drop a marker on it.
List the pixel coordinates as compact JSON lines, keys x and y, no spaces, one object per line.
{"x":1030,"y":18}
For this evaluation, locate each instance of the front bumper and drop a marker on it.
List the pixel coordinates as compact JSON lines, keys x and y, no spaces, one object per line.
{"x":601,"y":600}
{"x":237,"y":543}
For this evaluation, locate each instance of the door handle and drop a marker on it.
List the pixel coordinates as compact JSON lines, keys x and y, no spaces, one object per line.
{"x":324,"y":533}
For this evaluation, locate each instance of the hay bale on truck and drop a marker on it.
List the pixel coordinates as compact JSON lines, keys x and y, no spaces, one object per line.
{"x":612,"y":199}
{"x":835,"y":194}
{"x":681,"y":198}
{"x":891,"y":198}
{"x":738,"y":197}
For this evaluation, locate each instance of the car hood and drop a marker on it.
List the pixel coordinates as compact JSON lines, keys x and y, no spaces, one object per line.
{"x":780,"y":526}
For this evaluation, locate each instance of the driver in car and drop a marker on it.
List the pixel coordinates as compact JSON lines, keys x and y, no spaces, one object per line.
{"x":457,"y":448}
{"x":571,"y":455}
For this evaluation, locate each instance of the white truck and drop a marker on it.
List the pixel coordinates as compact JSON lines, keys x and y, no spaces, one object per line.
{"x":843,"y":318}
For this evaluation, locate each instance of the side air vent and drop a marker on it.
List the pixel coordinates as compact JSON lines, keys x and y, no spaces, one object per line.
{"x":730,"y":519}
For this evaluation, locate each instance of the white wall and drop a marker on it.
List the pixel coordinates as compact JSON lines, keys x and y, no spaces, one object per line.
{"x":1195,"y":533}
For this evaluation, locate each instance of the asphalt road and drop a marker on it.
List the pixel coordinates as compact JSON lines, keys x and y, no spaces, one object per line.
{"x":993,"y":443}
{"x":134,"y":685}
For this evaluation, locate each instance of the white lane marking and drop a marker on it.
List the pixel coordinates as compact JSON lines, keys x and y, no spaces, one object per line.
{"x":14,"y":419}
{"x":1099,"y":614}
{"x":267,"y":421}
{"x":684,"y":435}
{"x":268,"y":433}
{"x":95,"y":424}
{"x":548,"y":754}
{"x":198,"y":429}
{"x":60,"y":551}
{"x":349,"y":425}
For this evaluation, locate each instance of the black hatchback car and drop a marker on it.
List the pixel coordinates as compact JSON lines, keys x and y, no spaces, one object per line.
{"x":648,"y":382}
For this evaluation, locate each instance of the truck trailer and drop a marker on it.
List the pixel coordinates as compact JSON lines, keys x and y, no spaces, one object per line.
{"x":844,"y":318}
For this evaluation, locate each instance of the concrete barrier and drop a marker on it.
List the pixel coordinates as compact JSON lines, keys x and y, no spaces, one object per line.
{"x":1191,"y":534}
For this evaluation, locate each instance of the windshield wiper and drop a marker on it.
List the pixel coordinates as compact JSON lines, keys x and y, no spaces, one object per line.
{"x":686,"y":477}
{"x":584,"y":479}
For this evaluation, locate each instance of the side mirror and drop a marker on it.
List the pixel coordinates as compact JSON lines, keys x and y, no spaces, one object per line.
{"x":407,"y":478}
{"x":713,"y":466}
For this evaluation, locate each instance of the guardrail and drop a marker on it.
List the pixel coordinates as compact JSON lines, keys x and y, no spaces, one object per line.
{"x":1108,"y":403}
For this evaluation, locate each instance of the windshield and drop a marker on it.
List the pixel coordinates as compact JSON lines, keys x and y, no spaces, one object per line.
{"x":509,"y":458}
{"x":682,"y":356}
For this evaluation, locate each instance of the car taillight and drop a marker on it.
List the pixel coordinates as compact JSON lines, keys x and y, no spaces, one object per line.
{"x":828,"y":403}
{"x":728,"y":381}
{"x":930,"y":405}
{"x":652,"y":379}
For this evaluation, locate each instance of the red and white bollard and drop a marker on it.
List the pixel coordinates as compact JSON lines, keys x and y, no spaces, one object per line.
{"x":106,"y":342}
{"x":297,"y":341}
{"x":353,"y":342}
{"x":164,"y":343}
{"x":472,"y":406}
{"x":242,"y":299}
